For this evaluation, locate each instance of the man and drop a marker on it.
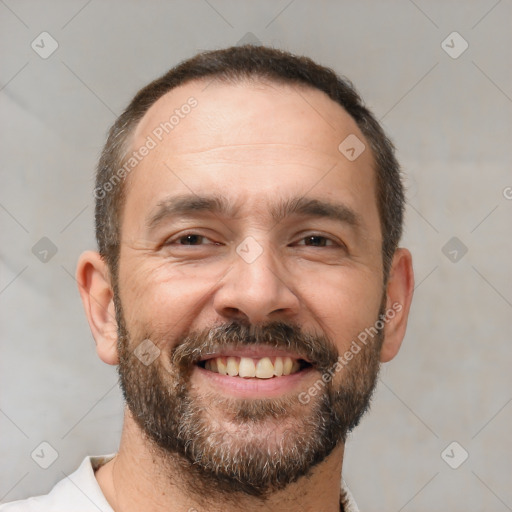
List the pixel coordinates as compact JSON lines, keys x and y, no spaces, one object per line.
{"x":248,"y":284}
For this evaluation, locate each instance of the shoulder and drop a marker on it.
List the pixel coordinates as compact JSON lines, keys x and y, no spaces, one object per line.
{"x":79,"y":490}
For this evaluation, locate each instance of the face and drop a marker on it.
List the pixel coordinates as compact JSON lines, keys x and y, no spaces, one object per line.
{"x":250,"y":261}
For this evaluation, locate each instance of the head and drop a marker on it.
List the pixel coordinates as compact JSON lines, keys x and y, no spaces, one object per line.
{"x":230,"y":220}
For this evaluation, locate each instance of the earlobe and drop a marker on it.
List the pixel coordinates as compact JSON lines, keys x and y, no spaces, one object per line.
{"x":399,"y":292}
{"x":95,"y":289}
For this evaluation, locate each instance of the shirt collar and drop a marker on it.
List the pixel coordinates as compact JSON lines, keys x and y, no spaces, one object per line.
{"x":347,"y":502}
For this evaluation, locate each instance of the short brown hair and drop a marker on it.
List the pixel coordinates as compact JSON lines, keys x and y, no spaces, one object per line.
{"x":232,"y":65}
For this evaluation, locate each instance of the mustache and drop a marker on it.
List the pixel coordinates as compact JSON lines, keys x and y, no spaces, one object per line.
{"x":195,"y":346}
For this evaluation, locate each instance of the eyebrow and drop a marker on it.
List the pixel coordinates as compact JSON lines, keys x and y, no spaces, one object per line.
{"x":191,"y":204}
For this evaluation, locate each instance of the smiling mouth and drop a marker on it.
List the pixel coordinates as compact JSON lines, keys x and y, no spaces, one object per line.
{"x":250,"y":367}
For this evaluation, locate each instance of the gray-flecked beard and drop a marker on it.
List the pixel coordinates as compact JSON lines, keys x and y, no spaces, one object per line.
{"x":240,"y":453}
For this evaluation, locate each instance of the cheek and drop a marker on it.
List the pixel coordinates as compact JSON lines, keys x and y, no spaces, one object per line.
{"x":344,"y":302}
{"x":161,"y":301}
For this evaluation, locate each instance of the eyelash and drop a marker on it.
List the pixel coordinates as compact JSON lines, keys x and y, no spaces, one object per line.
{"x":335,"y":244}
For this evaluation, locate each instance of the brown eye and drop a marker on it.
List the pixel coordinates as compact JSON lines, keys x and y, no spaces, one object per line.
{"x":316,"y":241}
{"x":190,"y":239}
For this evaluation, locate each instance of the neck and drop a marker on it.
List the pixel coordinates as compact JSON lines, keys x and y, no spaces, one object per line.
{"x":140,"y":477}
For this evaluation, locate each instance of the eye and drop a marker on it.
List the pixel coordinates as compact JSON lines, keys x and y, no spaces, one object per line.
{"x":318,"y":241}
{"x":187,"y":239}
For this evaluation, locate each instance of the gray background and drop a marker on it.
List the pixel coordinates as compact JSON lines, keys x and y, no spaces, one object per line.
{"x":451,"y":122}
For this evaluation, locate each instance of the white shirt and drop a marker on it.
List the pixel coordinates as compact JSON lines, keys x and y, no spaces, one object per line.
{"x":80,"y":492}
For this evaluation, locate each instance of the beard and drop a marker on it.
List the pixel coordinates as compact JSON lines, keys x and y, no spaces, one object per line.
{"x":236,"y":446}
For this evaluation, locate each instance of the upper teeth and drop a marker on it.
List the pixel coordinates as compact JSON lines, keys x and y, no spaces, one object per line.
{"x":263,"y":368}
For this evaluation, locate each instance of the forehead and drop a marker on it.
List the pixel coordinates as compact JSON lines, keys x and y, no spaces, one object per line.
{"x":250,"y":141}
{"x":247,"y":112}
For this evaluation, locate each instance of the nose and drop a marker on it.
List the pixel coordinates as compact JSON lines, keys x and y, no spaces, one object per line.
{"x":256,"y":290}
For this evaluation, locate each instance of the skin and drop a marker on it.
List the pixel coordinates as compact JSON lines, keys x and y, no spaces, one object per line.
{"x":254,"y":143}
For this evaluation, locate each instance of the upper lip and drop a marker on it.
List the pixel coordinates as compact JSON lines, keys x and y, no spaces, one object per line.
{"x":255,"y":352}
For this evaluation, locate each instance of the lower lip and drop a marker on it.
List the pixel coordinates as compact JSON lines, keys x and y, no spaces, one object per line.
{"x":253,"y":387}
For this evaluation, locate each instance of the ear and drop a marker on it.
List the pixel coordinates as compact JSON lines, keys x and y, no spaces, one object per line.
{"x":97,"y":295}
{"x":399,"y":292}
